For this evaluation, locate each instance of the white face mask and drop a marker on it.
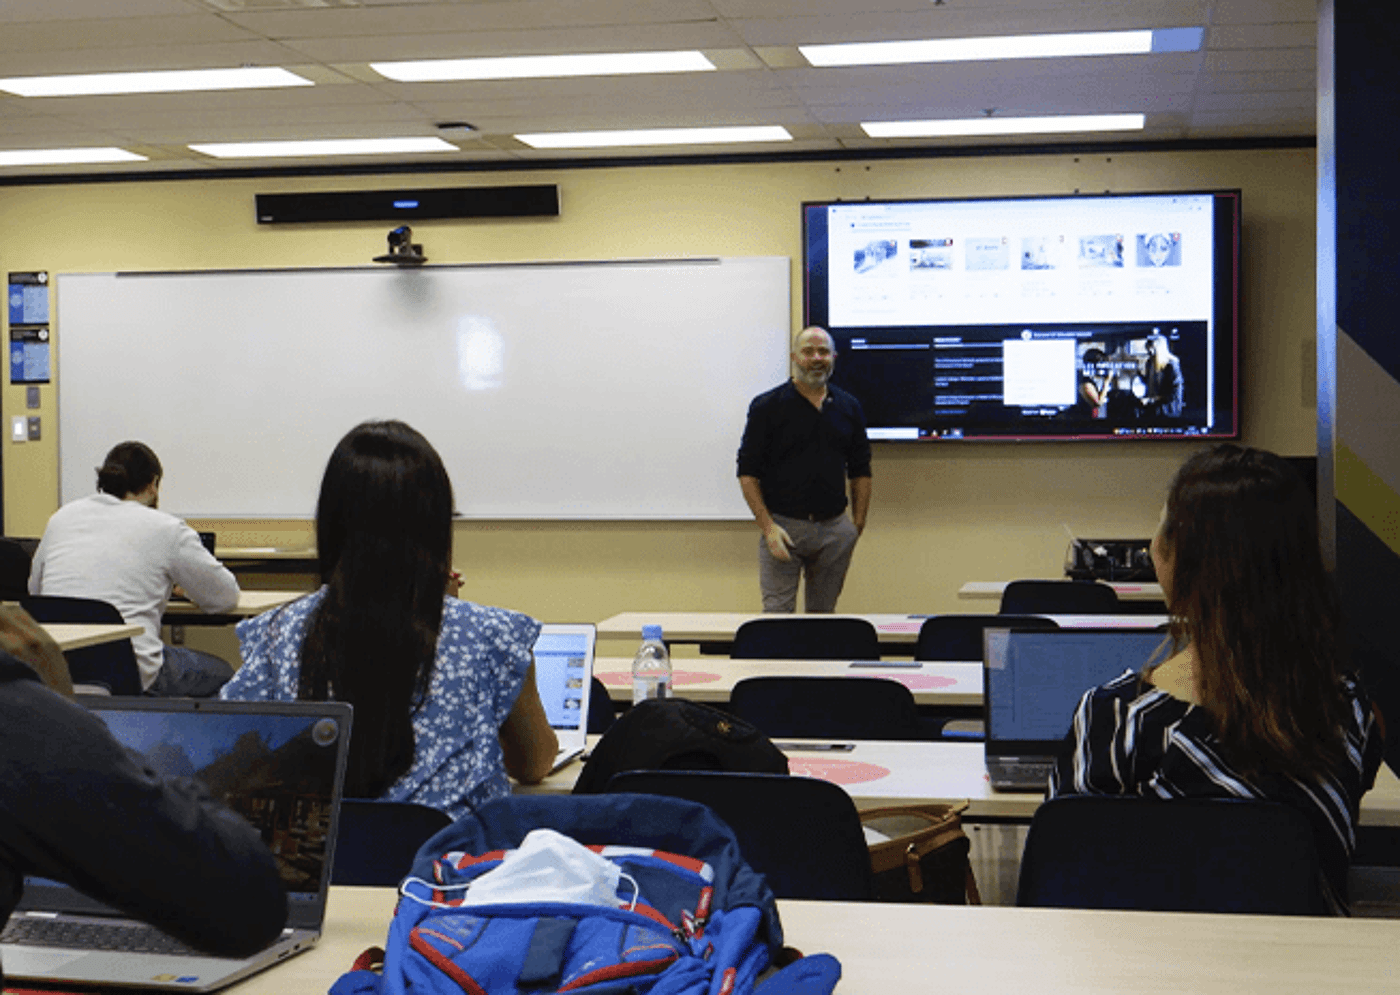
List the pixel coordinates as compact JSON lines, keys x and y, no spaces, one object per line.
{"x":549,"y":867}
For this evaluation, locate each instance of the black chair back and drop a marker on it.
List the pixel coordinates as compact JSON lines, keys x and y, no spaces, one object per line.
{"x":959,"y":637}
{"x":802,"y":834}
{"x":1058,"y":597}
{"x":600,"y":707}
{"x":109,"y":665}
{"x":806,"y":639}
{"x":14,"y":570}
{"x":377,"y":840}
{"x":827,"y":707}
{"x":1177,"y":855}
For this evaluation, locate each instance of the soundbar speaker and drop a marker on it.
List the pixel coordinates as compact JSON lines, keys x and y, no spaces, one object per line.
{"x":537,"y":201}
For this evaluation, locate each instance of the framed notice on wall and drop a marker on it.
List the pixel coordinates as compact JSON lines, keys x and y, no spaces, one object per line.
{"x":29,"y":327}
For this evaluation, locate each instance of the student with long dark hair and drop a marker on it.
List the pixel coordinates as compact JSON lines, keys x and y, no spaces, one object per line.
{"x":444,"y":690}
{"x":1253,"y":699}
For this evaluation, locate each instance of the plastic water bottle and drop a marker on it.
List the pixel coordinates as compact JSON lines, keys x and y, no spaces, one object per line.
{"x":651,"y":667}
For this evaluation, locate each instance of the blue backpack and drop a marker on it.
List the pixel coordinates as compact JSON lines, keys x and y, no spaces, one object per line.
{"x":703,"y":922}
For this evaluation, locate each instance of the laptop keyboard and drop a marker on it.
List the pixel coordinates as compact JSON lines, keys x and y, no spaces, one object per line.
{"x":90,"y":935}
{"x":1023,"y":772}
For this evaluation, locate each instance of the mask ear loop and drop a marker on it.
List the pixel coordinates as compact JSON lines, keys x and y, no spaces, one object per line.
{"x":636,"y":891}
{"x":405,"y":893}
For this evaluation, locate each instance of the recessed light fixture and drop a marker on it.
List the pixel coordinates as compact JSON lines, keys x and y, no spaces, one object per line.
{"x":544,"y":66}
{"x":879,"y":53}
{"x":324,"y":146}
{"x":1056,"y":124}
{"x":174,"y":81}
{"x":66,"y":157}
{"x":655,"y":136}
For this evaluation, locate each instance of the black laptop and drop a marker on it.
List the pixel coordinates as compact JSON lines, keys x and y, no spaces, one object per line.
{"x":1032,"y":681}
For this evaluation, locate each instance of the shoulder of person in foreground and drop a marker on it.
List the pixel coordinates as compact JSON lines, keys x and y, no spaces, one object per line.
{"x":78,"y":807}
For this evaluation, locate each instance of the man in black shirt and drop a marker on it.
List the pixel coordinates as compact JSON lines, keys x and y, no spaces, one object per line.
{"x":802,"y":441}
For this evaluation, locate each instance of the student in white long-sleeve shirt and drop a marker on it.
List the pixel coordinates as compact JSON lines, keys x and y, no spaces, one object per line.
{"x":116,"y":546}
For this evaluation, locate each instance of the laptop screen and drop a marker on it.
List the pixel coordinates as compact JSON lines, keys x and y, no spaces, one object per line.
{"x":1035,"y":678}
{"x":280,"y":765}
{"x":563,"y":667}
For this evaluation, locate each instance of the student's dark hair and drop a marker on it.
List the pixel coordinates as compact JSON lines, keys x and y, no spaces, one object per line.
{"x":1251,"y":596}
{"x":128,"y":469}
{"x":384,"y":539}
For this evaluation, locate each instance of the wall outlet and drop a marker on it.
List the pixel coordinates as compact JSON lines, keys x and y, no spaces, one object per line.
{"x":33,"y":428}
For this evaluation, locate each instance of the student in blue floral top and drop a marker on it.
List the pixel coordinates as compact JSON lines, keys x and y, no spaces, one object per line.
{"x":444,"y":690}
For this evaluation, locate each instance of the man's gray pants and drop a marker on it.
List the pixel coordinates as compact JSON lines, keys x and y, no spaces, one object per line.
{"x":821,"y":551}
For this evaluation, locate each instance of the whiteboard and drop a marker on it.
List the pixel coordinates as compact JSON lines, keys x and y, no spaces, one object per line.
{"x":610,"y":390}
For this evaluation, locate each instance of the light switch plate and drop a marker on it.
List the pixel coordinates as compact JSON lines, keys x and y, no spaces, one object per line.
{"x":19,"y":429}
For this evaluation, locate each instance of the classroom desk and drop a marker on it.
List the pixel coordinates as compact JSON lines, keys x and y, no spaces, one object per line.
{"x":916,"y":948}
{"x":992,"y":590}
{"x":898,"y":631}
{"x":249,"y":603}
{"x":268,"y":559}
{"x":897,"y":772}
{"x":72,"y":635}
{"x":712,"y":678}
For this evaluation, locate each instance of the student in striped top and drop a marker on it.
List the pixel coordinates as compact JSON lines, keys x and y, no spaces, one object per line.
{"x":1253,"y":699}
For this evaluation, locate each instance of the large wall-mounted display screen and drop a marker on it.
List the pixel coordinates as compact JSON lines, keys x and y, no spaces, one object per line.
{"x":1077,"y":317}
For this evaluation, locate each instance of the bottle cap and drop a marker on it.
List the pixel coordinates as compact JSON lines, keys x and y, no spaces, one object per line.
{"x":651,"y":632}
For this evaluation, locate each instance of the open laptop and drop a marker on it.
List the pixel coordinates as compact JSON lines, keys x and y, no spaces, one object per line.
{"x":233,"y":748}
{"x":1032,"y":681}
{"x":563,"y":672}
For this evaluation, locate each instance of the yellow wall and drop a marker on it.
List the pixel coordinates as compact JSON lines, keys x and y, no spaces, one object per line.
{"x":941,"y":514}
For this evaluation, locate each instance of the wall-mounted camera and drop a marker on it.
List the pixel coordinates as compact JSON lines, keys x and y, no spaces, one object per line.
{"x":402,"y":249}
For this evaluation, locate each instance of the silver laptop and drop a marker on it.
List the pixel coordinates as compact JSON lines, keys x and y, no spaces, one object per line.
{"x":563,"y":672}
{"x":1033,"y":679}
{"x":230,"y":746}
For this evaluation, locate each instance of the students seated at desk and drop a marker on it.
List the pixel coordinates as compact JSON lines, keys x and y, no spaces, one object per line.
{"x":116,"y":546}
{"x":444,"y":690}
{"x":77,"y":807}
{"x":1252,"y":700}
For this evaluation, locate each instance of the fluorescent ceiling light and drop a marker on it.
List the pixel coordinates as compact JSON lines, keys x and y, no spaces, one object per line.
{"x":176,"y":81}
{"x":543,"y":66}
{"x":882,"y":53}
{"x":1004,"y":125}
{"x":655,"y":136}
{"x":327,"y":146}
{"x":63,"y":157}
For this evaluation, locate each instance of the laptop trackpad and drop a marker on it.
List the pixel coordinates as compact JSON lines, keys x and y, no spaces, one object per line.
{"x":31,"y":961}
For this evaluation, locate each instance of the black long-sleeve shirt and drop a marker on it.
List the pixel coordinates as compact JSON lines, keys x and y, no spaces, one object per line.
{"x":76,"y":806}
{"x":802,"y":456}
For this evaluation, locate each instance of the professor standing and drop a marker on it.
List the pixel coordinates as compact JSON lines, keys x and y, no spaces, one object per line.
{"x":802,"y":441}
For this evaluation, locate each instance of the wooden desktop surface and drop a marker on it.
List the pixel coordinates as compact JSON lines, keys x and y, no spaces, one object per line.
{"x":992,"y":589}
{"x":239,"y":553}
{"x":712,"y":678}
{"x":906,"y":949}
{"x":703,"y":627}
{"x":249,"y":603}
{"x":72,"y":635}
{"x":897,"y":772}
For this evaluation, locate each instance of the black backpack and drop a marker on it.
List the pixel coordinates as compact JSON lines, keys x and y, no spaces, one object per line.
{"x":673,"y":734}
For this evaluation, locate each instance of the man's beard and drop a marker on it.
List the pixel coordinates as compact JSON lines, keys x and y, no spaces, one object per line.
{"x":813,"y":378}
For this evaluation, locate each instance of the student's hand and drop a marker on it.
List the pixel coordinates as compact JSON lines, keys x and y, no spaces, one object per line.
{"x":25,"y":640}
{"x":779,"y":542}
